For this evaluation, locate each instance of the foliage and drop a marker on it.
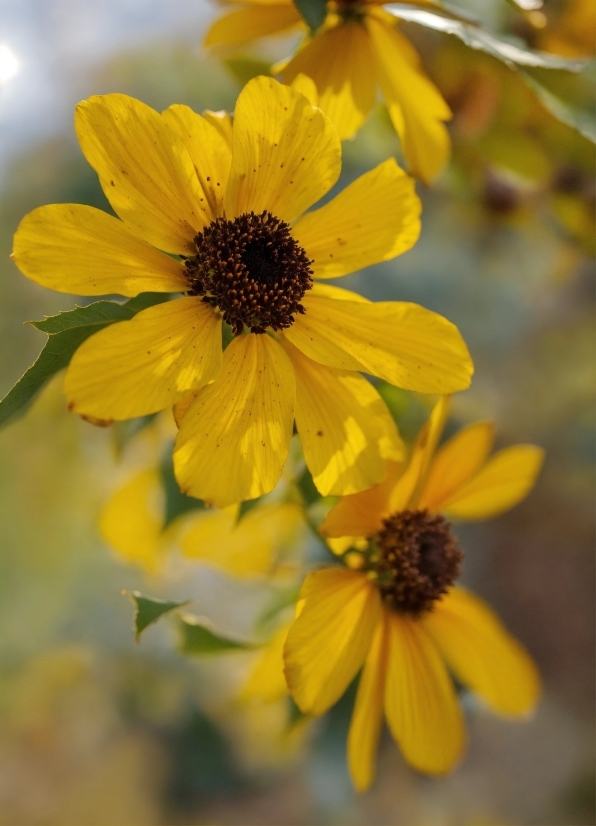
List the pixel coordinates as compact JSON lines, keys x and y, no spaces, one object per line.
{"x":66,"y":332}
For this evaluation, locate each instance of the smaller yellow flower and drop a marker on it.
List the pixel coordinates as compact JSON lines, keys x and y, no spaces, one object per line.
{"x":399,"y":613}
{"x":357,"y":50}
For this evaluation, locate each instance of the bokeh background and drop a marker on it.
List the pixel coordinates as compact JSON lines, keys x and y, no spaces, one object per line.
{"x":96,"y":730}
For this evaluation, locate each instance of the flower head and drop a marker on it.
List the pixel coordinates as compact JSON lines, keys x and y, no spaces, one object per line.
{"x":398,"y":613}
{"x":357,"y":50}
{"x":213,"y":210}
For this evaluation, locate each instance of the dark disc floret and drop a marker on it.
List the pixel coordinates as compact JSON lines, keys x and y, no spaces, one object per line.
{"x":417,"y":559}
{"x":252,"y":269}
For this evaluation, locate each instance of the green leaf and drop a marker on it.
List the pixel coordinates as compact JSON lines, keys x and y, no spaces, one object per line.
{"x":246,"y":507}
{"x":313,"y":12}
{"x":177,"y":502}
{"x":148,"y":611}
{"x":244,"y":68}
{"x":583,"y":120}
{"x":123,"y":432}
{"x":295,"y":716}
{"x":307,"y":488}
{"x":197,"y":638}
{"x":66,"y":332}
{"x":476,"y":37}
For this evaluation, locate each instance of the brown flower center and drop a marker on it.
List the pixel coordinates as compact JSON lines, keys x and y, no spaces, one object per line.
{"x":252,"y":269}
{"x":417,"y":560}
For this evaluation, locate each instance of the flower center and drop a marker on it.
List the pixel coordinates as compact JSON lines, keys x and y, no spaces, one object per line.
{"x":417,"y":559}
{"x":351,"y":9}
{"x":252,"y":269}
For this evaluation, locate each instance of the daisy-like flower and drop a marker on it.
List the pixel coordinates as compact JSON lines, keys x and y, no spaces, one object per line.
{"x":215,"y":211}
{"x":357,"y":51}
{"x":397,"y":612}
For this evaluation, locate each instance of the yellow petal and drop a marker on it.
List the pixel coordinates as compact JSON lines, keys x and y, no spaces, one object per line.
{"x":144,"y":365}
{"x":415,"y":104}
{"x":374,"y":219}
{"x":328,"y":642}
{"x":306,"y":86}
{"x":81,"y":250}
{"x":266,"y":679}
{"x":456,"y":462}
{"x":251,"y":22}
{"x":285,"y":156}
{"x":144,"y":169}
{"x":222,"y":122}
{"x":246,"y":548}
{"x":234,"y":439}
{"x":420,"y":702}
{"x":209,"y":152}
{"x":339,"y":293}
{"x":503,"y":482}
{"x":400,"y":342}
{"x":482,"y":654}
{"x":367,"y":717}
{"x":406,"y":491}
{"x":362,"y":513}
{"x":132,"y":520}
{"x":341,"y":63}
{"x":345,"y":427}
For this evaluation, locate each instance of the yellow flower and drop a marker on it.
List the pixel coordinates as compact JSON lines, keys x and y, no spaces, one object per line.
{"x":399,"y":614}
{"x":133,"y":524}
{"x":357,"y":50}
{"x":226,"y":203}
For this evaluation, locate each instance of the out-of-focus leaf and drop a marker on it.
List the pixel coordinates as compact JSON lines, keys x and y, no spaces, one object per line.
{"x":66,"y":332}
{"x":313,"y":12}
{"x":281,"y":599}
{"x":177,"y":502}
{"x":244,"y":68}
{"x":246,"y":507}
{"x":580,"y":119}
{"x":295,"y":716}
{"x":197,"y":638}
{"x":477,"y":38}
{"x":123,"y":432}
{"x":148,"y":611}
{"x":307,"y":488}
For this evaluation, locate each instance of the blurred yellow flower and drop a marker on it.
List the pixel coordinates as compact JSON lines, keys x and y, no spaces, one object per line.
{"x":133,"y":524}
{"x":356,"y":51}
{"x":225,"y":204}
{"x":399,"y":613}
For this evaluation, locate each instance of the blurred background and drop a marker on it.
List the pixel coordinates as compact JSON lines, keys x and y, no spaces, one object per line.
{"x":97,"y":730}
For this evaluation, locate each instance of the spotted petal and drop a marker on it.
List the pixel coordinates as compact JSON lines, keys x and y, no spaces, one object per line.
{"x":403,"y":343}
{"x":144,"y":365}
{"x":285,"y":152}
{"x":144,"y":169}
{"x":346,"y":431}
{"x":374,"y":219}
{"x":235,"y":436}
{"x":81,"y":250}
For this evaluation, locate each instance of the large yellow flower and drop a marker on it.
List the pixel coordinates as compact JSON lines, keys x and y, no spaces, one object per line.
{"x":397,"y":612}
{"x":357,"y":50}
{"x":214,"y":211}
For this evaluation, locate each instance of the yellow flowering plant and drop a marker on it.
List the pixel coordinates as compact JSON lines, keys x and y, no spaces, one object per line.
{"x":213,"y":209}
{"x":394,"y":611}
{"x":353,"y":48}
